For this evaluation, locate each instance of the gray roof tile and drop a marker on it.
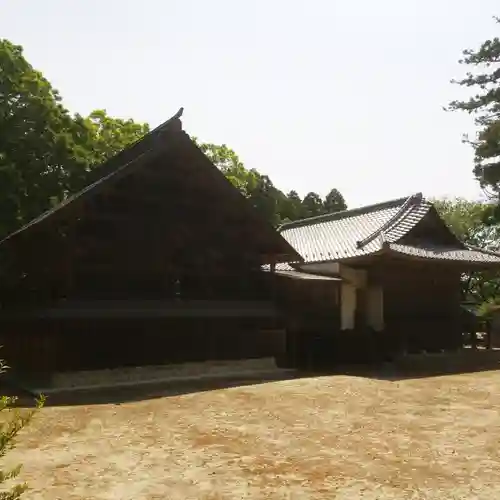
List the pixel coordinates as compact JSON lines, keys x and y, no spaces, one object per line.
{"x":468,"y":254}
{"x":357,"y":232}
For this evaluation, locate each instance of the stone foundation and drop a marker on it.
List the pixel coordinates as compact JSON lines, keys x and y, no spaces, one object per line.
{"x":146,"y":374}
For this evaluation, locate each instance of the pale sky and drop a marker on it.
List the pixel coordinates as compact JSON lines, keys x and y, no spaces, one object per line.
{"x":317,"y":94}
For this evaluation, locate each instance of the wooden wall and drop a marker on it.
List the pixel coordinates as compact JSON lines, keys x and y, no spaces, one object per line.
{"x":421,"y":303}
{"x":309,"y":302}
{"x":311,"y":309}
{"x":80,"y":344}
{"x":421,"y":312}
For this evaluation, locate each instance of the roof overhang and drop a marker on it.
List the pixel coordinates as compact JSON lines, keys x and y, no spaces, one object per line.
{"x":299,"y":275}
{"x":466,"y":258}
{"x":292,"y":271}
{"x":338,"y":271}
{"x":332,"y":267}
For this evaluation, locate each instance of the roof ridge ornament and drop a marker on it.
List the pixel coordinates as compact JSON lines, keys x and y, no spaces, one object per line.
{"x":179,"y":113}
{"x":414,"y":199}
{"x":173,"y":123}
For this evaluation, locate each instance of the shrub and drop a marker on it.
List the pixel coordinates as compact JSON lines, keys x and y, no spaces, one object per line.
{"x":488,"y":307}
{"x":10,"y":426}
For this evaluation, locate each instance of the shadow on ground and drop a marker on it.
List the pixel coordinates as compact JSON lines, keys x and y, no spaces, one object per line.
{"x":417,"y":366}
{"x":407,"y":368}
{"x":142,"y":392}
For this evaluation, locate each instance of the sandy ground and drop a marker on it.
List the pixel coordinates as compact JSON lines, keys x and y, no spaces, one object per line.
{"x":332,"y":437}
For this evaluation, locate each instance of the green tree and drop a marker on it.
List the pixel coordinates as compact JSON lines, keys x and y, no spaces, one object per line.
{"x":45,"y":152}
{"x":266,"y":198}
{"x":9,"y":429}
{"x":291,"y":207}
{"x":470,"y":222}
{"x":484,"y":77}
{"x":272,"y":203}
{"x":312,"y":205}
{"x":334,"y":201}
{"x":229,"y":163}
{"x":99,"y":137}
{"x":36,"y":144}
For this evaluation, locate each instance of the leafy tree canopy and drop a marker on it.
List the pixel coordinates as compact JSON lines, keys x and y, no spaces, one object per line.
{"x":47,"y":153}
{"x":471,"y":222}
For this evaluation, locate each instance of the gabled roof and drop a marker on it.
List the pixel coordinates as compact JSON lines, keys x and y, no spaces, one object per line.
{"x":167,"y":137}
{"x":382,"y":227}
{"x":357,"y":232}
{"x":110,"y":171}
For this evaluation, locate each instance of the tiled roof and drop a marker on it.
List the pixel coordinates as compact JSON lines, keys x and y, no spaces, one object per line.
{"x":357,"y":232}
{"x":468,"y":254}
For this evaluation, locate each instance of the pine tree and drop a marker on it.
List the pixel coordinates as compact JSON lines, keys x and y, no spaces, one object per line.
{"x":483,"y":79}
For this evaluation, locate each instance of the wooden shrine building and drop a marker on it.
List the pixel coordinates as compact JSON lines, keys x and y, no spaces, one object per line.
{"x":157,"y":260}
{"x":388,"y":280}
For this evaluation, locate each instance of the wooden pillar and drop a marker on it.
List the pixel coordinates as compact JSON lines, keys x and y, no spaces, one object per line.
{"x":375,"y":307}
{"x":347,"y":306}
{"x":473,"y":339}
{"x":291,"y":347}
{"x":273,"y":282}
{"x":494,"y":328}
{"x":489,"y":339}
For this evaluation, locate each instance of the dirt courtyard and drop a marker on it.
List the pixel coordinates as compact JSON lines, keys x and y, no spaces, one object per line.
{"x":333,"y":437}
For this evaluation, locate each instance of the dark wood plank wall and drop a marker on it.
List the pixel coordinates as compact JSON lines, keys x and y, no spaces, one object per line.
{"x":311,"y":309}
{"x":139,"y":237}
{"x":421,"y":310}
{"x":310,"y":303}
{"x":421,"y":303}
{"x":161,"y":233}
{"x":82,"y":344}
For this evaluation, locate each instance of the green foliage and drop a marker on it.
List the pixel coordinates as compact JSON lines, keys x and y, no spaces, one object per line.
{"x":229,"y":163}
{"x":291,"y":207}
{"x":36,"y":145}
{"x":10,"y":426}
{"x":102,"y":137}
{"x":471,"y":222}
{"x":334,"y":202}
{"x":272,"y":203}
{"x":46,"y":153}
{"x":312,"y":205}
{"x":488,"y":307}
{"x":484,"y":78}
